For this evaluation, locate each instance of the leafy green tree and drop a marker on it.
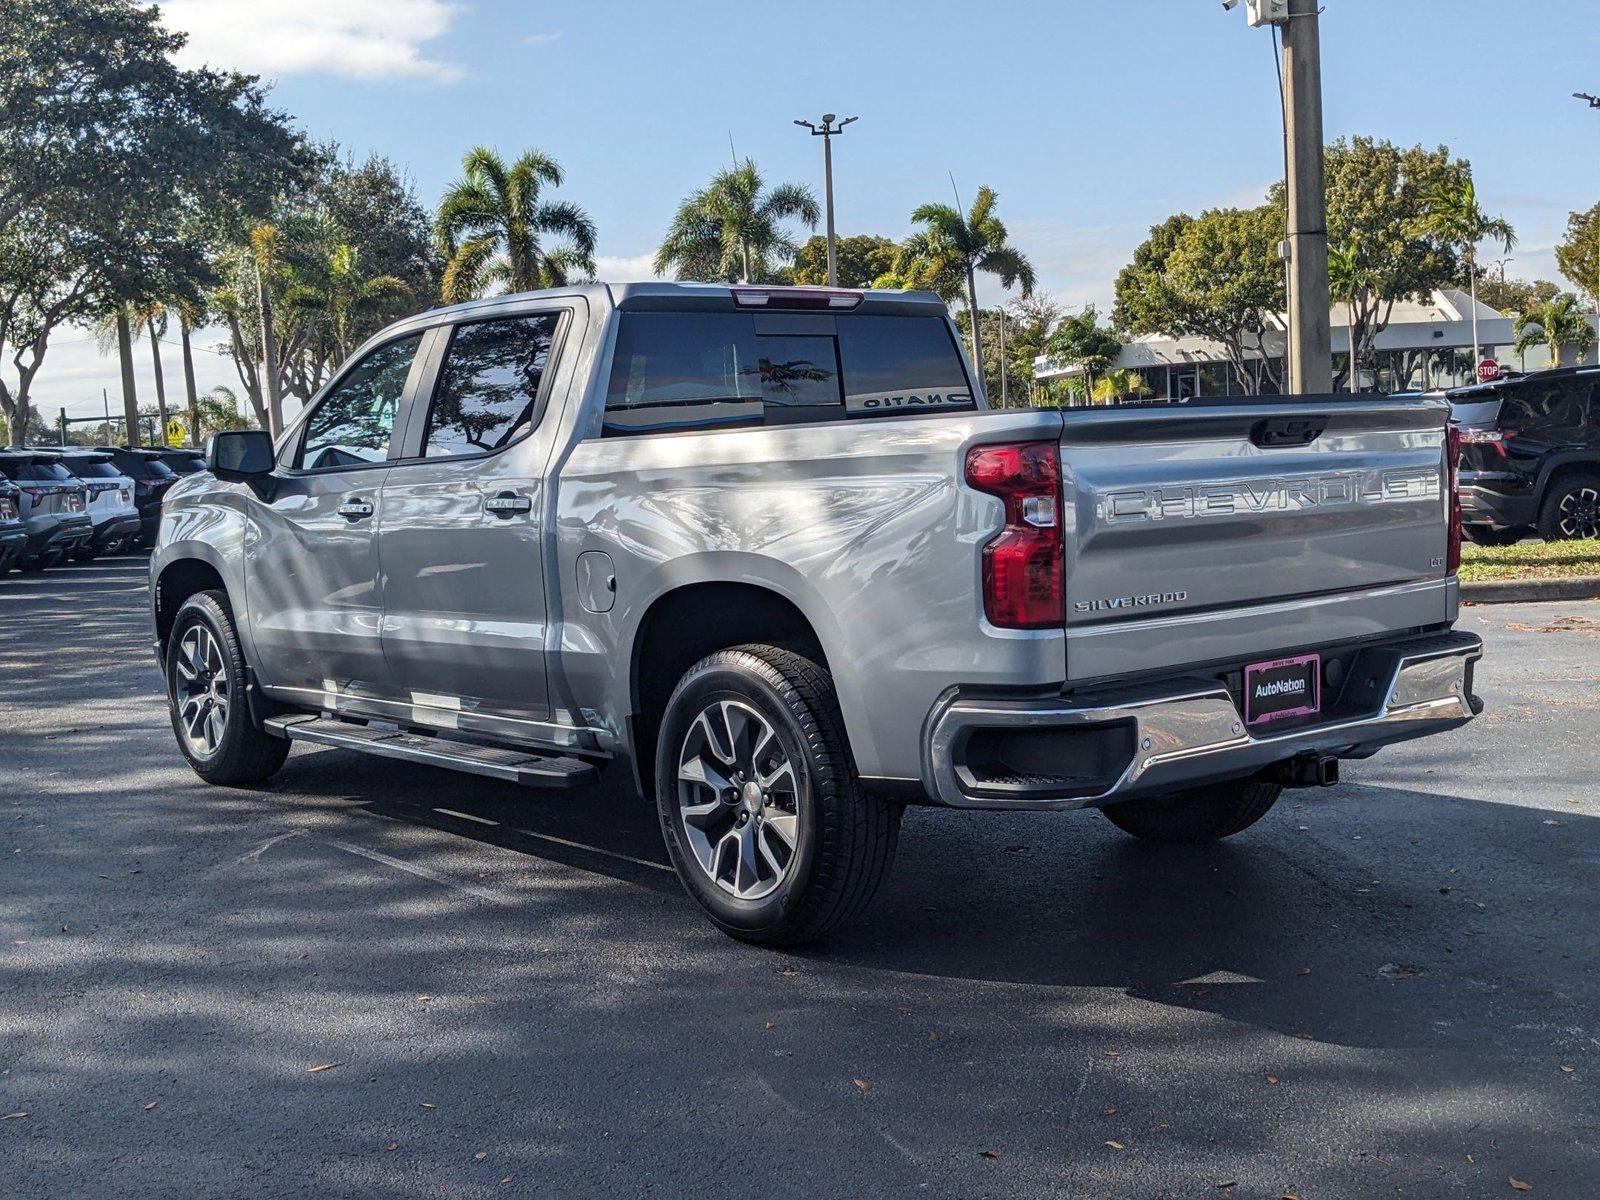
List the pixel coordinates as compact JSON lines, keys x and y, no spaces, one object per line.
{"x":860,"y":260}
{"x":733,"y":228}
{"x":1578,"y":253}
{"x":1381,"y":212}
{"x":1556,"y":323}
{"x":952,"y":244}
{"x":1514,"y":295}
{"x":1456,"y":217}
{"x":334,"y":291}
{"x":1216,"y":276}
{"x":495,"y":225}
{"x":1080,"y":340}
{"x":107,"y":149}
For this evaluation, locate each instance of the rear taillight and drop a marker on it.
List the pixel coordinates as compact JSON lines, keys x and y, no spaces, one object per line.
{"x":75,"y":501}
{"x":1496,"y":438}
{"x":1024,"y":564}
{"x":126,"y":495}
{"x":1452,"y":456}
{"x":8,"y":510}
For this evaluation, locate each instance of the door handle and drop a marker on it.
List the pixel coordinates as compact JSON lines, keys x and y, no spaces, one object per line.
{"x":355,"y":510}
{"x":505,"y":504}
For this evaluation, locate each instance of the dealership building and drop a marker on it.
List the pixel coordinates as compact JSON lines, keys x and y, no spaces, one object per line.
{"x":1424,"y":347}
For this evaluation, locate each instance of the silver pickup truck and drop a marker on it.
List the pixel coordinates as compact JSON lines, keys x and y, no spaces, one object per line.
{"x":767,"y":550}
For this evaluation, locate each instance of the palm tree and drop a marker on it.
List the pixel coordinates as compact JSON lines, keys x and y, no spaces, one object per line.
{"x":494,"y":223}
{"x":151,"y":319}
{"x":1119,"y":384}
{"x":1456,"y":217}
{"x":341,"y":298}
{"x":732,"y":230}
{"x":962,"y":245}
{"x":114,"y":329}
{"x":1557,"y":323}
{"x":1347,"y":278}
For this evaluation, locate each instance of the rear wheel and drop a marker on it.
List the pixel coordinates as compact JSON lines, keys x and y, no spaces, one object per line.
{"x":205,"y":691}
{"x":1487,"y":535}
{"x":1203,"y":814}
{"x":1571,"y":508}
{"x":763,"y":816}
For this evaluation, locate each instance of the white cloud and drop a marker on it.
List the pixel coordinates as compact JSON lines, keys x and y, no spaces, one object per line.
{"x":365,"y":39}
{"x":541,"y":39}
{"x":612,"y":269}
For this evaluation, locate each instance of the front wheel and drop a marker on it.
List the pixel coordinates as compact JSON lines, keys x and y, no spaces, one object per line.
{"x":205,"y":691}
{"x":763,"y":816}
{"x":1203,"y":814}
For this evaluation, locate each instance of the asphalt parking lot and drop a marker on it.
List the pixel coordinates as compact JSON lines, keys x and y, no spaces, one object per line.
{"x":1386,"y":988}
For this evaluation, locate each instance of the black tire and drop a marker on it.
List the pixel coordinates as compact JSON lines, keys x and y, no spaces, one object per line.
{"x":1571,"y":507}
{"x":1488,"y":535}
{"x":86,"y":554}
{"x":1203,"y":814}
{"x":845,"y":838}
{"x":243,"y":754}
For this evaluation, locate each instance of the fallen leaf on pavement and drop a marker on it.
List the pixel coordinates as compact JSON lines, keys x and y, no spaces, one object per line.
{"x":480,"y":1156}
{"x":392,"y":1146}
{"x":863,"y":1085}
{"x":16,"y":1116}
{"x":768,"y":1025}
{"x":1566,"y":1070}
{"x":1305,"y":970}
{"x":1113,"y":1054}
{"x":1115,"y":1145}
{"x":1272,"y":1079}
{"x":1111,"y":1112}
{"x":508,"y":1179}
{"x":149,"y":1106}
{"x":423,"y":999}
{"x":322,"y":1067}
{"x":788,"y":972}
{"x":933,"y":1037}
{"x":1519,"y":1184}
{"x":425,"y":1104}
{"x":988,"y":1154}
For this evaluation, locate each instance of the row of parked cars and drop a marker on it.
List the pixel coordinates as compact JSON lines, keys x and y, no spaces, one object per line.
{"x":61,"y":503}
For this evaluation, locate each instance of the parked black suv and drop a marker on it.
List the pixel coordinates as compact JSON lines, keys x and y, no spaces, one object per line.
{"x":1530,"y":456}
{"x":182,"y":460}
{"x":151,"y":479}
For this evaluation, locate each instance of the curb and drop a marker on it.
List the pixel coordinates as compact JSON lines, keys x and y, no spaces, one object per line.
{"x":1506,"y":591}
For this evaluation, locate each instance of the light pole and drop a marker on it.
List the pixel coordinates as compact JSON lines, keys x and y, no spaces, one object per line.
{"x":826,"y":132}
{"x":1594,"y":102}
{"x":1300,"y":83}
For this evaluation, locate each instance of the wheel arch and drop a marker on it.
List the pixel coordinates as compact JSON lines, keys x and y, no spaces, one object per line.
{"x":686,"y":623}
{"x":1564,"y":463}
{"x":178,"y":580}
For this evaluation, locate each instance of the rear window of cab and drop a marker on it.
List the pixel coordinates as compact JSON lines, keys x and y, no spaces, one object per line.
{"x":683,"y":371}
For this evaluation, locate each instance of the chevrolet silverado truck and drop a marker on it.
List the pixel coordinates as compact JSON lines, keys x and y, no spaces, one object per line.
{"x":767,"y":553}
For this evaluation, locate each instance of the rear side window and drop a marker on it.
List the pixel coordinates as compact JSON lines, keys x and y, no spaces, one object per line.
{"x":489,"y":385}
{"x":675,"y":371}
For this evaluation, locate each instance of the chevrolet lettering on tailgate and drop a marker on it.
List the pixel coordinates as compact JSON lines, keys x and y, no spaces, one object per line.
{"x":1289,"y":494}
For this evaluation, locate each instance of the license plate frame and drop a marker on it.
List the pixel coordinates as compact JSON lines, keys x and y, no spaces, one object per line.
{"x":1280,"y":704}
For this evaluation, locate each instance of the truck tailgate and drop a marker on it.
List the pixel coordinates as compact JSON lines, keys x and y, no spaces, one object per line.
{"x":1215,"y":532}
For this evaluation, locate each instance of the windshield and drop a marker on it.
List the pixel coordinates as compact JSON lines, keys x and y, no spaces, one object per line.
{"x":705,"y":370}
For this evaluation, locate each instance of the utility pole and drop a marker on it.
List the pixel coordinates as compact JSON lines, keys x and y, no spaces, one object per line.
{"x":1004,"y":396}
{"x":826,"y":133}
{"x":1311,"y":340}
{"x":1594,"y":102}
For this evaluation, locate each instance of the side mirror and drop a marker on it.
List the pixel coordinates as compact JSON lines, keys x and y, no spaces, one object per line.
{"x":239,"y":454}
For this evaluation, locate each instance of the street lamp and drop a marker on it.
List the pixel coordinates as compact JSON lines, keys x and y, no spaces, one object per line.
{"x":826,"y":132}
{"x":1594,"y":102}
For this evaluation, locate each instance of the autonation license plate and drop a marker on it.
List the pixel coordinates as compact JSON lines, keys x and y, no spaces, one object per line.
{"x":1284,"y":687}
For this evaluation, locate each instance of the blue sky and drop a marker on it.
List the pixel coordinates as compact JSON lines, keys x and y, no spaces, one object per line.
{"x":1093,"y":119}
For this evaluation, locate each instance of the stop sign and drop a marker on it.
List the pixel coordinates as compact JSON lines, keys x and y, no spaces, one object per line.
{"x":1488,"y":371}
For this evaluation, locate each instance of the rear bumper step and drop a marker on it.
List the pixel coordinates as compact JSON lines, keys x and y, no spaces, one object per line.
{"x":515,"y":766}
{"x":1157,"y":738}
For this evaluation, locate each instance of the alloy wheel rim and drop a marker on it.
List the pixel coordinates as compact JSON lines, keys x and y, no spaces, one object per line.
{"x":201,"y":690}
{"x":1580,"y":513}
{"x":738,"y":800}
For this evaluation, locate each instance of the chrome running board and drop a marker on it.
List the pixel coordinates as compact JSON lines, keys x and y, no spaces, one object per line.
{"x":515,"y":766}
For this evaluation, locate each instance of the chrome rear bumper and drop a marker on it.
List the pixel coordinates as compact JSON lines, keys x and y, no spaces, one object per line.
{"x":1158,"y":738}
